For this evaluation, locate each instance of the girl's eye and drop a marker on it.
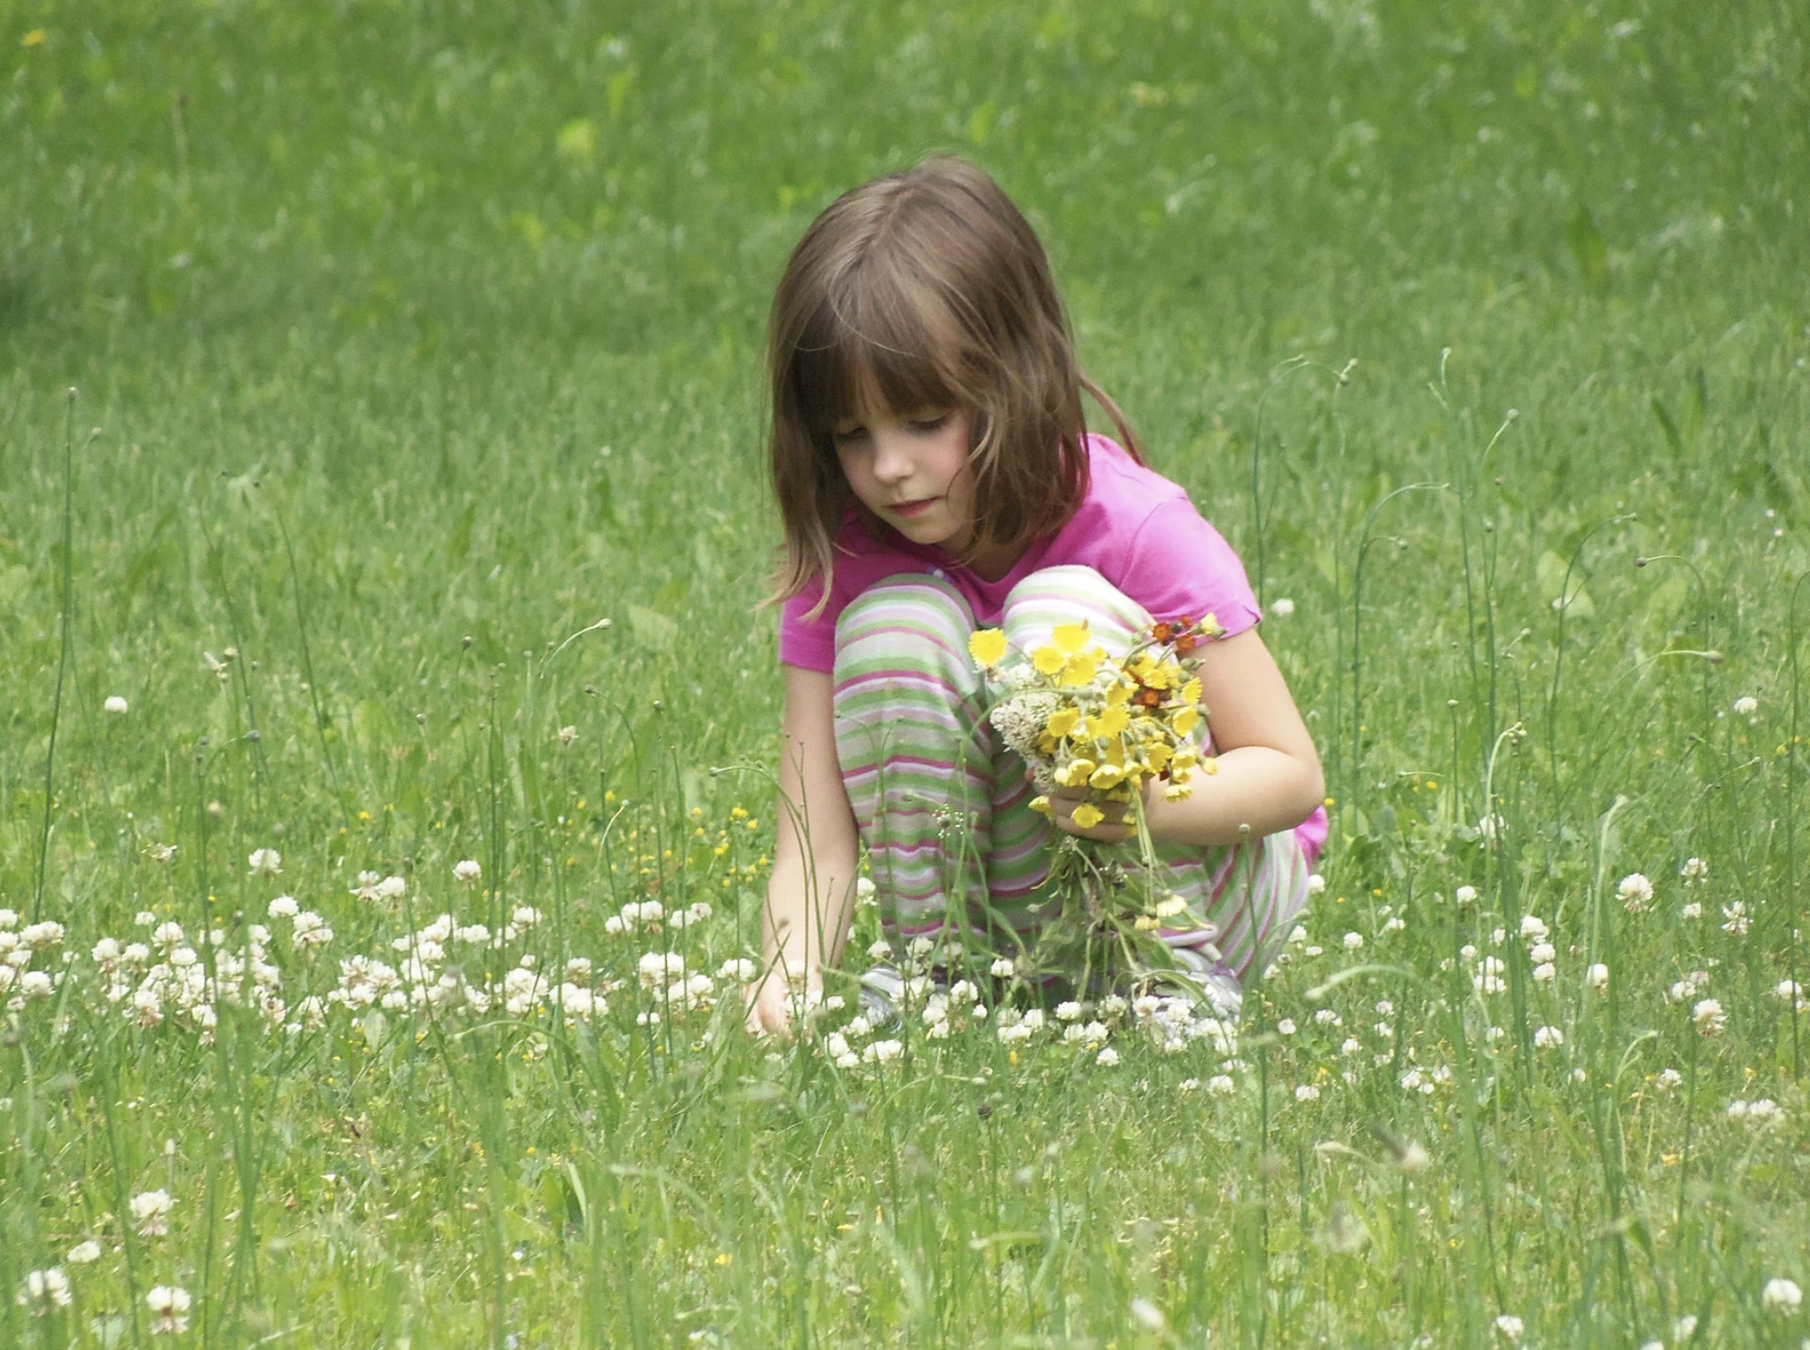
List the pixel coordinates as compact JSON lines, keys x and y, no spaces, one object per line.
{"x":931,"y":424}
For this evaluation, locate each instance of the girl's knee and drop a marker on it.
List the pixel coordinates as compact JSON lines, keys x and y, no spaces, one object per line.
{"x":1067,"y":594}
{"x":907,"y":623}
{"x":910,"y":600}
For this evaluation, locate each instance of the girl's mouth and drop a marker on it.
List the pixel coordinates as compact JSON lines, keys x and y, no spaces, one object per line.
{"x":914,"y":508}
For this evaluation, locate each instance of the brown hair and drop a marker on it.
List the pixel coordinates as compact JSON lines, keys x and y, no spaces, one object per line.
{"x":929,"y":288}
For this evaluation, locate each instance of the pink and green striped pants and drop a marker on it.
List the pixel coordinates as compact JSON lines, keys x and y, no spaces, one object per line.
{"x":943,"y":805}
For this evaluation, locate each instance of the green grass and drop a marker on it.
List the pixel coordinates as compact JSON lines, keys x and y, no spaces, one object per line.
{"x":420,"y":337}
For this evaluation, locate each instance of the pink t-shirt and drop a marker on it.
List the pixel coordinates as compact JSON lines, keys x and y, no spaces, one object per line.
{"x":1136,"y":528}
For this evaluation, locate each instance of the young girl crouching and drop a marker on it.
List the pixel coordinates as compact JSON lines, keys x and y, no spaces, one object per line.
{"x":934,"y":476}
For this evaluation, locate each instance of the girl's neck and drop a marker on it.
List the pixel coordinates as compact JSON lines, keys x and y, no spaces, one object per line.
{"x":995,"y":566}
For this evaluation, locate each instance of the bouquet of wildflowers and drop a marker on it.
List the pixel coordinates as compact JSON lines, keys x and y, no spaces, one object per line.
{"x":1082,"y":719}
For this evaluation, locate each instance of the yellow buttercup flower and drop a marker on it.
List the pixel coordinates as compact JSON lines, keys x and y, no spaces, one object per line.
{"x":1076,"y":772}
{"x":1087,"y":815}
{"x":1175,"y":792}
{"x":1041,"y":805}
{"x":988,"y":646}
{"x":1157,"y":755}
{"x":1119,"y":695}
{"x":1112,"y":722}
{"x":1191,"y":692}
{"x":1070,"y":637}
{"x":1063,"y":721}
{"x":1185,"y":721}
{"x":1048,"y":660}
{"x":1079,"y":670}
{"x":1161,"y":677}
{"x":1106,"y":776}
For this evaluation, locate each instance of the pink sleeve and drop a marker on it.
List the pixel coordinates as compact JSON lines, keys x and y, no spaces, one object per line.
{"x":1179,"y":564}
{"x":807,"y":643}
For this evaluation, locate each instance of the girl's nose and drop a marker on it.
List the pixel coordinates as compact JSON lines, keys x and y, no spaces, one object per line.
{"x":892,"y":463}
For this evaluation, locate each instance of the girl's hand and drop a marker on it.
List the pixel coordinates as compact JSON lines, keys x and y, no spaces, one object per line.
{"x":772,"y":1001}
{"x":1116,"y":828}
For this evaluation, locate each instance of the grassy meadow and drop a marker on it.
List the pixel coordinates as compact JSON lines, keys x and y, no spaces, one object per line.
{"x":356,"y":360}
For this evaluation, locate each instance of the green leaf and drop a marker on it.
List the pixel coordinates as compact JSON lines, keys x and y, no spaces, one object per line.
{"x":376,"y":1027}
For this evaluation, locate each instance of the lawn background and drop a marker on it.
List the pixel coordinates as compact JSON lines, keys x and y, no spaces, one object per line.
{"x":404,"y":325}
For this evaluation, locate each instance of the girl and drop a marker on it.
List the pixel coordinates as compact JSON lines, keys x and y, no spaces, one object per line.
{"x":934,"y":475}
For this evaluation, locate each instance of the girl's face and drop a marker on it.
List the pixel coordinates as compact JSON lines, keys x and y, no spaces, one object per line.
{"x":912,"y":471}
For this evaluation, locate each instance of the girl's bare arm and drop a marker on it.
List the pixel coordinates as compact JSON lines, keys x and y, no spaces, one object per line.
{"x":810,"y":894}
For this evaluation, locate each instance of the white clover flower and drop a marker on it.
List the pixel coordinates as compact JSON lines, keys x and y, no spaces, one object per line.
{"x":1668,"y":1079}
{"x":1684,"y":1328}
{"x":1465,"y":895}
{"x":738,"y":968}
{"x":1636,"y":892}
{"x":881,"y":1052}
{"x":45,"y":1289}
{"x":1548,"y":1038}
{"x":392,"y":888}
{"x":1709,"y":1017}
{"x":84,"y":1251}
{"x":1756,"y":1114}
{"x":1511,"y":1328}
{"x":1781,"y":1296}
{"x":1003,"y":969}
{"x":864,"y":890}
{"x":1307,"y":1092}
{"x":115,"y":705}
{"x":1315,"y":884}
{"x":310,"y":930}
{"x":1282,"y":607}
{"x":152,"y":1210}
{"x":1598,"y":976}
{"x":170,"y":1305}
{"x":1544,"y":972}
{"x":1542,"y":952}
{"x":266,"y":861}
{"x":1412,"y":1158}
{"x":1695,"y":871}
{"x":36,"y":984}
{"x":1746,"y":706}
{"x":467,"y":870}
{"x":1533,"y":928}
{"x":283,"y":907}
{"x":1353,"y":941}
{"x":1069,"y":1011}
{"x":1286,"y":1027}
{"x":1107,"y":1057}
{"x":567,"y":735}
{"x":1737,"y":919}
{"x":1221,"y":1085}
{"x":1690,"y":910}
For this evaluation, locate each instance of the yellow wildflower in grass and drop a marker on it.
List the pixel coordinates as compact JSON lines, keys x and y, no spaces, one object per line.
{"x":1087,"y":815}
{"x":988,"y":647}
{"x":1048,"y":660}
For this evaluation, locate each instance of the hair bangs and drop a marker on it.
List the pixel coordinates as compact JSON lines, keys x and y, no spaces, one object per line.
{"x":875,"y":341}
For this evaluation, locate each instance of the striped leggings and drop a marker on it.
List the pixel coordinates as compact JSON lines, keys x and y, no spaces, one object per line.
{"x":943,"y":805}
